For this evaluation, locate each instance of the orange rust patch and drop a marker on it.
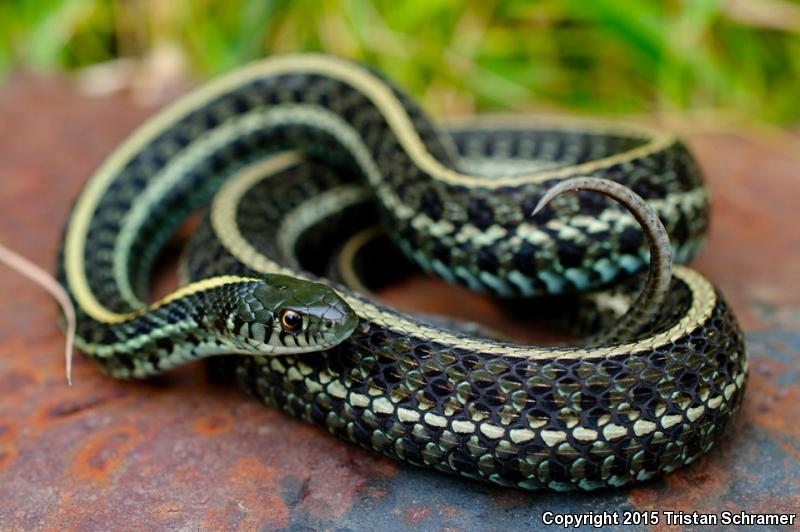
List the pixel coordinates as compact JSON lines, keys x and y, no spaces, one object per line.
{"x":416,"y":514}
{"x":214,"y":424}
{"x":250,"y":468}
{"x":7,"y":455}
{"x":104,"y":452}
{"x":216,"y":520}
{"x":7,"y":431}
{"x":262,"y":507}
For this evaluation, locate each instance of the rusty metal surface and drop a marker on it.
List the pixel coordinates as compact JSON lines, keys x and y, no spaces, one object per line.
{"x":184,"y":452}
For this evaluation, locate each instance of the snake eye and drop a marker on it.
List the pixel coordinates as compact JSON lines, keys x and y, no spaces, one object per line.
{"x":291,"y":321}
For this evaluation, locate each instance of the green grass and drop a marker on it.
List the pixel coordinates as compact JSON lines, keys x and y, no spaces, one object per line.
{"x":606,"y":56}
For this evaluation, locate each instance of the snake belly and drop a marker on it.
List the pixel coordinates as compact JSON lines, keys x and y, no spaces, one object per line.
{"x":459,"y":204}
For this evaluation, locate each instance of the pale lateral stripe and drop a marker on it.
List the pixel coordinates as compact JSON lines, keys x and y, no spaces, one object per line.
{"x":310,"y":212}
{"x":347,"y":255}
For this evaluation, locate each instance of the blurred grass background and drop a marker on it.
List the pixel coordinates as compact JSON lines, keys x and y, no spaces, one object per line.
{"x":603,"y":56}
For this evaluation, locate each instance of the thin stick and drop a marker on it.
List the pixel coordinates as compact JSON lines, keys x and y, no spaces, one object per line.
{"x":33,"y":272}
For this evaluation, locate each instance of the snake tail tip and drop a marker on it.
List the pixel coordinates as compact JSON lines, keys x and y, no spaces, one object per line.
{"x":540,"y":206}
{"x":556,"y":190}
{"x":68,"y":369}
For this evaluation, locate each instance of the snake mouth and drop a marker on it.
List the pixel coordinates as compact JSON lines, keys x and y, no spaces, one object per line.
{"x":280,"y":350}
{"x":293,"y":344}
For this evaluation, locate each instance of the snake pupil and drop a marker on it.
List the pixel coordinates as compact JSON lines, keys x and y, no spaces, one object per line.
{"x":291,"y":320}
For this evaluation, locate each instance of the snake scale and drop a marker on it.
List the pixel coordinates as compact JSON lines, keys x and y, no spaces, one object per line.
{"x":299,"y":156}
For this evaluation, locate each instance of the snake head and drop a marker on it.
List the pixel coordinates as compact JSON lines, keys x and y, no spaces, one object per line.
{"x":284,"y":315}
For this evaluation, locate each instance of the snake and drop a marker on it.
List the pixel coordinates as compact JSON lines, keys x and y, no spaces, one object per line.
{"x":321,"y":181}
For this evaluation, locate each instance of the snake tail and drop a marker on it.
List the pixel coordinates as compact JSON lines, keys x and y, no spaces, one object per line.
{"x":648,"y":304}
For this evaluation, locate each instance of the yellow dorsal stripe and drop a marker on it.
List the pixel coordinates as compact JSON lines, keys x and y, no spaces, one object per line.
{"x":187,"y":290}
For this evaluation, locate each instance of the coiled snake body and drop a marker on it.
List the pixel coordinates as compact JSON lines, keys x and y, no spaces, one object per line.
{"x":310,"y":152}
